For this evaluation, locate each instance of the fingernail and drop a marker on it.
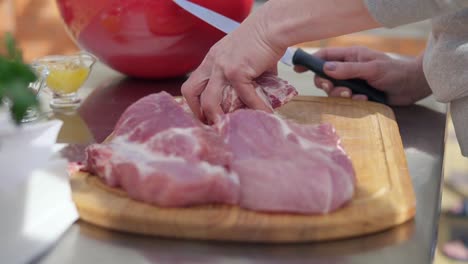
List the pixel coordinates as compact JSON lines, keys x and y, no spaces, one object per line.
{"x":325,"y":87}
{"x":330,"y":66}
{"x":345,"y":94}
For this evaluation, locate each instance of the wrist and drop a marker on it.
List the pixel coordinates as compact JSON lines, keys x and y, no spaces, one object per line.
{"x":419,"y":72}
{"x":271,"y":31}
{"x":418,"y":78}
{"x":282,"y":29}
{"x":289,"y":23}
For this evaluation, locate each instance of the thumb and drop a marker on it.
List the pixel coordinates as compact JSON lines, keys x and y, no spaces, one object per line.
{"x":349,"y":70}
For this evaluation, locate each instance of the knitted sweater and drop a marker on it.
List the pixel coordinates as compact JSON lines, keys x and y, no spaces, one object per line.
{"x":446,"y":57}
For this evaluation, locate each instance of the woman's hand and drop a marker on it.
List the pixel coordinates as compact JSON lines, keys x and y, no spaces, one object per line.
{"x":401,"y":79}
{"x":260,"y":41}
{"x":237,"y":59}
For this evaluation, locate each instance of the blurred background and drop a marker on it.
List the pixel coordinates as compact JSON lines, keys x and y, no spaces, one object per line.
{"x":38,"y":27}
{"x":39,"y":30}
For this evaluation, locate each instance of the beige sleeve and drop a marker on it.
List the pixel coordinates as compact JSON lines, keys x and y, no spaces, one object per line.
{"x":393,"y":13}
{"x":459,"y":113}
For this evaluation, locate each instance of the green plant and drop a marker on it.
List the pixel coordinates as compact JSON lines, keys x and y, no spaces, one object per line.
{"x":15,"y":77}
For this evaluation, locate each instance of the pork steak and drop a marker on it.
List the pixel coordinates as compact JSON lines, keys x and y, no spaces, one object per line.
{"x":159,"y":153}
{"x":287,"y":167}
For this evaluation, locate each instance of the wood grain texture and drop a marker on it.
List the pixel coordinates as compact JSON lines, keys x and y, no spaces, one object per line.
{"x":384,"y":195}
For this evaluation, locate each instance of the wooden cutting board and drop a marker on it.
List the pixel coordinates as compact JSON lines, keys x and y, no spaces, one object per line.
{"x":384,"y":196}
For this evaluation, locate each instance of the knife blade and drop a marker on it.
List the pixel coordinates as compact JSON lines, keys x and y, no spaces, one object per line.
{"x":292,"y":56}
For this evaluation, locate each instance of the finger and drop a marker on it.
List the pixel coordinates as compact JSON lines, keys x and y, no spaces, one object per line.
{"x":249,"y":97}
{"x":246,"y":90}
{"x":323,"y":84}
{"x":348,"y":70}
{"x":191,"y":91}
{"x":350,"y":54}
{"x":300,"y":69}
{"x":342,"y":92}
{"x":359,"y":97}
{"x":274,"y":70}
{"x":334,"y":54}
{"x":212,"y":96}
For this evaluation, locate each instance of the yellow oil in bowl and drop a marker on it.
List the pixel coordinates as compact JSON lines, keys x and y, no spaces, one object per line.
{"x":68,"y":79}
{"x":62,"y":76}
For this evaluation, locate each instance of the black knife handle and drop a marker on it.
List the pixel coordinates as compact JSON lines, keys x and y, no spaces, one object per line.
{"x":357,"y":86}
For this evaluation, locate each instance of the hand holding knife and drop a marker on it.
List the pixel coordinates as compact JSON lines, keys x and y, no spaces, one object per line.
{"x":291,"y":57}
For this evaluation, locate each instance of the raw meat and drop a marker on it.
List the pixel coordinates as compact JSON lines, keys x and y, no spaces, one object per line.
{"x":165,"y":157}
{"x":287,"y":167}
{"x":159,"y":153}
{"x":152,"y":114}
{"x":274,"y":91}
{"x":160,"y":179}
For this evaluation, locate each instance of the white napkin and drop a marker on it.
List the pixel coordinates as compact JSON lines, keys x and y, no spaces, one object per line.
{"x":35,"y":195}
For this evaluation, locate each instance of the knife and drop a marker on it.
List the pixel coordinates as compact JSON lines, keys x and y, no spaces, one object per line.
{"x":291,"y":57}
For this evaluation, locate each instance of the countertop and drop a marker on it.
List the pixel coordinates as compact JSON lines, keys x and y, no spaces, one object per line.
{"x":108,"y":93}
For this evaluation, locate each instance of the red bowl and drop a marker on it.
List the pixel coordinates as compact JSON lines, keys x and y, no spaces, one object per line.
{"x":146,"y":38}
